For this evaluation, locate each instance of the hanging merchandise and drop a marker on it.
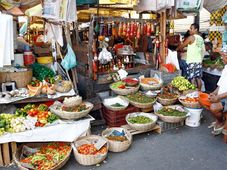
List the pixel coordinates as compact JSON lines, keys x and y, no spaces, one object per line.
{"x":114,"y":29}
{"x":53,"y":32}
{"x":138,"y":31}
{"x":145,"y":29}
{"x":120,"y":29}
{"x":124,"y":29}
{"x":6,"y":40}
{"x":69,"y":60}
{"x":105,"y":56}
{"x":148,"y":29}
{"x":171,"y":28}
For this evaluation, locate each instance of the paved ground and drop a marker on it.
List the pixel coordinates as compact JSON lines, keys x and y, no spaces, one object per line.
{"x":180,"y":149}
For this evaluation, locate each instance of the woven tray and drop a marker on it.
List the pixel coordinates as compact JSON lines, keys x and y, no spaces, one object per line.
{"x":194,"y":105}
{"x":141,"y":105}
{"x":71,"y":115}
{"x":108,"y":103}
{"x":142,"y":127}
{"x":117,"y":146}
{"x":171,"y":119}
{"x":126,"y":91}
{"x":167,"y":102}
{"x":89,"y":159}
{"x":16,"y":156}
{"x":151,"y":87}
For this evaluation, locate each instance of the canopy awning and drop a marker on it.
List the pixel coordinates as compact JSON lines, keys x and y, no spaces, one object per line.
{"x":212,"y":5}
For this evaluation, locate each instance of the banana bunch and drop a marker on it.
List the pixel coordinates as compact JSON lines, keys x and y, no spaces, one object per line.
{"x":182,"y":84}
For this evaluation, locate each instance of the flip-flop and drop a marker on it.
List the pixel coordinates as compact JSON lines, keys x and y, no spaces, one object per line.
{"x":212,"y":125}
{"x":217,"y":131}
{"x":224,"y":131}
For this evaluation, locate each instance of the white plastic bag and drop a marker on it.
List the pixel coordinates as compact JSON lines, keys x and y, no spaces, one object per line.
{"x":172,"y":59}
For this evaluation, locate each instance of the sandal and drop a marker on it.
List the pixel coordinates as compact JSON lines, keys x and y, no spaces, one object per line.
{"x":224,"y":131}
{"x":217,"y":131}
{"x":212,"y":125}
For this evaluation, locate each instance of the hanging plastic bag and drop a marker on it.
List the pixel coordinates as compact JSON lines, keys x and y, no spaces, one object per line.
{"x":70,"y":59}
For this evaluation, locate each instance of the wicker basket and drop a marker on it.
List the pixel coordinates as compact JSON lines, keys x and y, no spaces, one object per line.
{"x":171,"y":119}
{"x":22,"y":78}
{"x":16,"y":156}
{"x":107,"y":103}
{"x":89,"y":159}
{"x":71,"y":115}
{"x":151,"y":87}
{"x":141,"y":105}
{"x":142,"y":127}
{"x":167,"y":102}
{"x":117,"y":146}
{"x":194,"y":105}
{"x":126,"y":91}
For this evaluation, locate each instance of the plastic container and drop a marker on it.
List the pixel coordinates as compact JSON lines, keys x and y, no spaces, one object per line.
{"x":204,"y":99}
{"x":18,"y":59}
{"x":194,"y":119}
{"x":28,"y":58}
{"x":45,"y":60}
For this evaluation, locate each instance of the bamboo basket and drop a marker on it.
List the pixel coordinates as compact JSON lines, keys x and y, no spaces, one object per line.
{"x":126,"y":91}
{"x":124,"y":102}
{"x":71,"y":115}
{"x":142,"y":127}
{"x":194,"y":105}
{"x":35,"y":145}
{"x":22,"y":78}
{"x":141,"y":105}
{"x":151,"y":87}
{"x":171,"y":119}
{"x":117,"y":146}
{"x":89,"y":159}
{"x":167,"y":102}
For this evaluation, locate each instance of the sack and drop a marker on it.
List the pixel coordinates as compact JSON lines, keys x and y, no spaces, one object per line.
{"x":70,"y":59}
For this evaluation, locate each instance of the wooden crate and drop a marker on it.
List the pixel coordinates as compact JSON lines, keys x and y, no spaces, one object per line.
{"x":156,"y":129}
{"x":7,"y":150}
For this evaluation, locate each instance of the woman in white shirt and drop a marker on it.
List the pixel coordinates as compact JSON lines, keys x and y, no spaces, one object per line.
{"x":218,"y":100}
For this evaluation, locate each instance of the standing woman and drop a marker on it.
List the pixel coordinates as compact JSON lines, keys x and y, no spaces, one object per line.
{"x":183,"y":56}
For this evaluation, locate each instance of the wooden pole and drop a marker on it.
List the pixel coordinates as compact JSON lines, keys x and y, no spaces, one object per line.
{"x":163,"y":35}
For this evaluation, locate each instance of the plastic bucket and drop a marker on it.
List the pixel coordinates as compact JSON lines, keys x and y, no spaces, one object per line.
{"x":28,"y":58}
{"x":18,"y":60}
{"x":194,"y":119}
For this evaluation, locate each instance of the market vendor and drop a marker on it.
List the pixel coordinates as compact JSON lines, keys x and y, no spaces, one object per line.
{"x":195,"y":52}
{"x":218,"y":100}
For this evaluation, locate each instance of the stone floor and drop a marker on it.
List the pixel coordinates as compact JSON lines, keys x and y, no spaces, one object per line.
{"x":184,"y":148}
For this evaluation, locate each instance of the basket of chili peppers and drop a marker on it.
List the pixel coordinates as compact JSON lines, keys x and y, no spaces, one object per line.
{"x":42,"y":156}
{"x":90,"y":150}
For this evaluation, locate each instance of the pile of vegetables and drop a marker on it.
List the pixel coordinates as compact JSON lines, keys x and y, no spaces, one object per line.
{"x":117,"y":138}
{"x":117,"y":105}
{"x":89,"y":149}
{"x":128,"y":82}
{"x":48,"y":156}
{"x":140,"y":98}
{"x":140,"y":120}
{"x":26,"y":118}
{"x":165,"y":111}
{"x":42,"y":72}
{"x":190,"y":100}
{"x":79,"y":108}
{"x":216,"y":63}
{"x":182,"y":84}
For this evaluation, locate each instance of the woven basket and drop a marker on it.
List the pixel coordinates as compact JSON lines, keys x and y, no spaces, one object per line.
{"x":167,"y":102}
{"x":126,"y":91}
{"x":117,"y":146}
{"x":142,"y":127}
{"x":89,"y":159}
{"x":141,"y":105}
{"x":151,"y":87}
{"x":108,"y":103}
{"x":22,"y":78}
{"x":171,"y":119}
{"x":16,"y":156}
{"x":71,"y":115}
{"x":194,"y":105}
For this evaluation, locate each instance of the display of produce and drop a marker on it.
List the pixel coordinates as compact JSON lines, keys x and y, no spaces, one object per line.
{"x":90,"y":149}
{"x":41,"y":72}
{"x":166,"y":111}
{"x":216,"y":63}
{"x":150,"y":81}
{"x":72,"y":101}
{"x":140,"y":98}
{"x":140,"y":120}
{"x":47,"y":156}
{"x":115,"y":103}
{"x":130,"y":82}
{"x":126,"y":83}
{"x":167,"y":95}
{"x":182,"y":84}
{"x":63,"y":86}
